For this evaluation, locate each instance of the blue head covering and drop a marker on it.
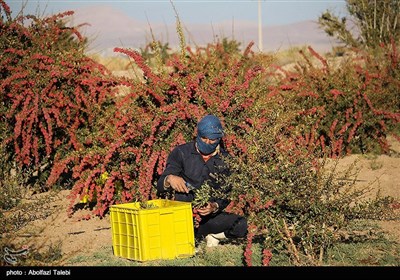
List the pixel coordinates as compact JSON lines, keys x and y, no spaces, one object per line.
{"x":209,"y":127}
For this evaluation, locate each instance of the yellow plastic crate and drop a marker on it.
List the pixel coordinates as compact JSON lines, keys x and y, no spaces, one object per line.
{"x":163,"y":229}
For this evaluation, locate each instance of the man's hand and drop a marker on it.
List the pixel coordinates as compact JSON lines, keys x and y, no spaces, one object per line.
{"x":209,"y":208}
{"x":176,"y":182}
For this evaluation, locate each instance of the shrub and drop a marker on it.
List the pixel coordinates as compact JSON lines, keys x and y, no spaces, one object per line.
{"x":50,"y":90}
{"x":297,"y":202}
{"x":157,"y":114}
{"x":350,"y":108}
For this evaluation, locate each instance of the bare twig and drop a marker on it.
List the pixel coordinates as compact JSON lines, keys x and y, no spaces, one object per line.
{"x":292,"y":246}
{"x":76,"y":232}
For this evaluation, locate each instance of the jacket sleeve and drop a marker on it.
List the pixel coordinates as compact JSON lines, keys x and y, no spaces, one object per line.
{"x":222,"y":203}
{"x":173,"y":166}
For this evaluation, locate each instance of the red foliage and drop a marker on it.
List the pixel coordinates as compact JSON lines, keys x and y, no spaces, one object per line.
{"x":267,"y":256}
{"x":159,"y":114}
{"x":50,"y":89}
{"x":248,"y":252}
{"x":345,"y":110}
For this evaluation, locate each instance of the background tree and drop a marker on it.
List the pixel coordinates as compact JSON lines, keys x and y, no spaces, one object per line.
{"x":375,"y":22}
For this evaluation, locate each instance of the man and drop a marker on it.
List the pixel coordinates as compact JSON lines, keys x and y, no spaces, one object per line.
{"x":199,"y":162}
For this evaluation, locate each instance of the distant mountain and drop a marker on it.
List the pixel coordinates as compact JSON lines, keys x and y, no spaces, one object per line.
{"x":109,"y":28}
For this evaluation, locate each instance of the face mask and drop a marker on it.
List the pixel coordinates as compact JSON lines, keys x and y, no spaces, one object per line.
{"x":205,"y":148}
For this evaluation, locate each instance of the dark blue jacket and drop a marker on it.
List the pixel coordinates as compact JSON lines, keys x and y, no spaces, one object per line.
{"x":185,"y":161}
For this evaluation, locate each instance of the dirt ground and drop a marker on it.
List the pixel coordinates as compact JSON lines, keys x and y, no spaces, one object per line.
{"x":81,"y":237}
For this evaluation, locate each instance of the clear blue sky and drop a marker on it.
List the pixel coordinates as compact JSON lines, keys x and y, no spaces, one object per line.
{"x":273,"y":12}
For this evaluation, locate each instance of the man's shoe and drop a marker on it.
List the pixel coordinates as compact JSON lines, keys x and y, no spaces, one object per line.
{"x":214,"y":238}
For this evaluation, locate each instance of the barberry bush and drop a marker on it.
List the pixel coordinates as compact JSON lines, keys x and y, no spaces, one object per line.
{"x":298,"y":204}
{"x":346,"y":108}
{"x":158,"y":112}
{"x":287,"y":183}
{"x":51,"y":92}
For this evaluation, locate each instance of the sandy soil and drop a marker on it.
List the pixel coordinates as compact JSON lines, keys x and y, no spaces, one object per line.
{"x":79,"y":237}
